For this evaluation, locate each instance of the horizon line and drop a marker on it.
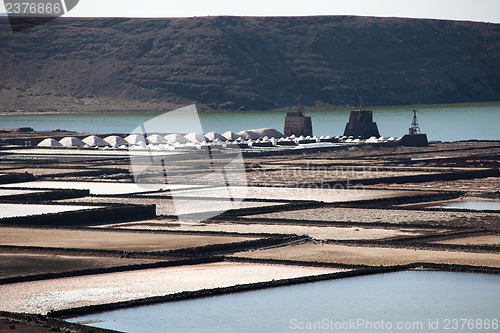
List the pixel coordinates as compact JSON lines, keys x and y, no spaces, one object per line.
{"x":274,"y":16}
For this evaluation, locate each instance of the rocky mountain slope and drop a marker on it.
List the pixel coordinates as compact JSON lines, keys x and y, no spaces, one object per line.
{"x":245,"y":63}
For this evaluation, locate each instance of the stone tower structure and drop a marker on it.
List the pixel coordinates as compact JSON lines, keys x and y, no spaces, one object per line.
{"x":361,"y":124}
{"x":298,"y":124}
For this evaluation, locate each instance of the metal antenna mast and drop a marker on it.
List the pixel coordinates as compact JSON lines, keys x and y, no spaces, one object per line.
{"x":300,"y":108}
{"x":415,"y":129}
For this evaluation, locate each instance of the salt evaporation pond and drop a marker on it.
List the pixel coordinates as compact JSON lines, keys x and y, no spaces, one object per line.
{"x":474,"y":205}
{"x":411,"y":298}
{"x":99,"y":188}
{"x":16,"y":210}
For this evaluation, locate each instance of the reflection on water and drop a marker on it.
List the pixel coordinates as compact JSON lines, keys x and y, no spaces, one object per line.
{"x":474,"y":205}
{"x":413,"y":297}
{"x":447,"y":122}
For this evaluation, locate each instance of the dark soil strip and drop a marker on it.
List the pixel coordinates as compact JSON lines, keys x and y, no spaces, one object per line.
{"x":370,"y":203}
{"x":158,"y":232}
{"x":75,"y":251}
{"x":295,"y":263}
{"x":190,"y":232}
{"x":440,"y":236}
{"x":85,"y":217}
{"x":421,"y":178}
{"x":296,"y":205}
{"x":417,"y":245}
{"x":230,"y":248}
{"x":16,"y":178}
{"x":88,"y":173}
{"x":385,"y":225}
{"x":34,"y":321}
{"x":46,"y":195}
{"x":389,"y":203}
{"x":428,"y":209}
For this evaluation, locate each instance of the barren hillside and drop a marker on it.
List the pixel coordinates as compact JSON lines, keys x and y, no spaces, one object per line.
{"x":244,"y":63}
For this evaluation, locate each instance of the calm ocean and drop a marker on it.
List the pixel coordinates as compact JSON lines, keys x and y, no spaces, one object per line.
{"x":444,"y":122}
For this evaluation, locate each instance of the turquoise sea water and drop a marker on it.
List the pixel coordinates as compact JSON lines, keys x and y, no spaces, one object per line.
{"x":446,"y":122}
{"x":423,"y":301}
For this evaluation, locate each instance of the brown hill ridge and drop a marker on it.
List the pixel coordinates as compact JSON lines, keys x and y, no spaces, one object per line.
{"x":245,"y":63}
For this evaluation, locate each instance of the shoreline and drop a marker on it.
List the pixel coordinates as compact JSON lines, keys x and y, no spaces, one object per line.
{"x":284,"y":109}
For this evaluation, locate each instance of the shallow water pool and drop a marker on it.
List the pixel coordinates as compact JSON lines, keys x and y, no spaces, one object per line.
{"x":424,"y":301}
{"x":474,"y":205}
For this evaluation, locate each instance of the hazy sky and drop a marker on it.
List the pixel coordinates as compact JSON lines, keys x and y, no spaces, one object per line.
{"x":473,"y":10}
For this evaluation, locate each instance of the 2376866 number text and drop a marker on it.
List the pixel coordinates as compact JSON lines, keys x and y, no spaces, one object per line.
{"x":34,"y":8}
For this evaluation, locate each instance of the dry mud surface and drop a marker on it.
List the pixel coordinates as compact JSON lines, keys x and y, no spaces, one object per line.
{"x":473,"y":186}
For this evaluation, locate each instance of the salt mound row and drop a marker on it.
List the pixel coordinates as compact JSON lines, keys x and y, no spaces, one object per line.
{"x":115,"y":140}
{"x":231,"y":136}
{"x":212,"y":136}
{"x":269,"y":132}
{"x":195,"y":137}
{"x":95,"y":141}
{"x":71,"y":141}
{"x":49,"y":142}
{"x":261,"y":133}
{"x":156,"y":139}
{"x":136,"y":139}
{"x":249,"y":135}
{"x":176,"y":138}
